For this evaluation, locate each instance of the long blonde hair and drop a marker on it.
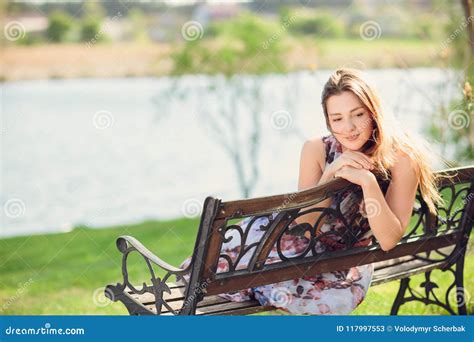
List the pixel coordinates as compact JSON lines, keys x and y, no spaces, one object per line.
{"x":387,"y":139}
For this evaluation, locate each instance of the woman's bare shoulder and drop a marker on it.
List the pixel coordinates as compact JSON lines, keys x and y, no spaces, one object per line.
{"x":315,"y":148}
{"x":403,"y":163}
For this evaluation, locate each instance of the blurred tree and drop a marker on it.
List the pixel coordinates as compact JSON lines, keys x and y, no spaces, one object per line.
{"x":321,"y":24}
{"x":90,"y":29}
{"x":93,"y":8}
{"x":246,"y":44}
{"x":452,"y":125}
{"x":468,"y":8}
{"x":426,"y":27}
{"x":138,"y":25}
{"x":59,"y":25}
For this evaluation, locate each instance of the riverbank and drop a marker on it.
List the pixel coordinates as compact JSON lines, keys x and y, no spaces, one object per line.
{"x":65,"y":273}
{"x":151,"y":59}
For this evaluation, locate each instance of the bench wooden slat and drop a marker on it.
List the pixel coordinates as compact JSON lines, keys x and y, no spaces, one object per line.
{"x":392,"y":262}
{"x":207,"y":301}
{"x":216,"y":305}
{"x":404,"y":270}
{"x":177,"y":292}
{"x":225,"y":307}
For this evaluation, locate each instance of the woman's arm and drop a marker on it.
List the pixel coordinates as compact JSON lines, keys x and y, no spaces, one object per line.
{"x":388,"y":216}
{"x":390,"y":222}
{"x":311,"y":174}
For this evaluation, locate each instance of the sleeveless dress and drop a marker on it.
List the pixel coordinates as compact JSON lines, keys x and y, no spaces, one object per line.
{"x":334,"y":293}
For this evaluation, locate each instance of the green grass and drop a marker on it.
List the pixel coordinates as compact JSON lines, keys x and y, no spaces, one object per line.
{"x":65,"y":273}
{"x":69,"y":269}
{"x":363,"y":54}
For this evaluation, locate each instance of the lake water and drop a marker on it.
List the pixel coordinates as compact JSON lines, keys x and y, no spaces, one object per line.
{"x":115,"y":151}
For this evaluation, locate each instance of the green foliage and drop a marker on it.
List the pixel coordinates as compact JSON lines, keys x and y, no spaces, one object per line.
{"x":93,"y":8}
{"x":90,"y":29}
{"x":30,"y":39}
{"x":321,"y":24}
{"x":59,"y":26}
{"x":425,"y":27}
{"x":451,"y":127}
{"x":138,"y":21}
{"x":246,"y":44}
{"x":452,"y":124}
{"x":456,"y":36}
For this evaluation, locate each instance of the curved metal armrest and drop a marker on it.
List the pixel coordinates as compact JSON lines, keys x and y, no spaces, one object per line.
{"x":124,"y":241}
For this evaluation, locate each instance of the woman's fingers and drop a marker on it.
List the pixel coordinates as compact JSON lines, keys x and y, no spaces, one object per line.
{"x":362,"y":160}
{"x":355,"y":164}
{"x":354,"y":159}
{"x":366,"y":157}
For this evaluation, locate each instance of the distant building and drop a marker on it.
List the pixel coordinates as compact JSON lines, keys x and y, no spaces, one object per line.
{"x":209,"y":12}
{"x":31,"y":21}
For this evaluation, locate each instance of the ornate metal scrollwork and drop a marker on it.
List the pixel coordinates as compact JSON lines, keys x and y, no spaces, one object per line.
{"x":244,"y":248}
{"x":127,"y":245}
{"x":448,"y":219}
{"x":453,"y":297}
{"x":285,"y":220}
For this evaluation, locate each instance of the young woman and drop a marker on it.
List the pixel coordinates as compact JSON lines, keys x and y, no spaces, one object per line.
{"x":360,"y":145}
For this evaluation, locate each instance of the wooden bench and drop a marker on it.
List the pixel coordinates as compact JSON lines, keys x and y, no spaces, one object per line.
{"x":431,"y":243}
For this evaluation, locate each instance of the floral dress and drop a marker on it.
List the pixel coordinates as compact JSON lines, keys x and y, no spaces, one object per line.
{"x":335,"y":293}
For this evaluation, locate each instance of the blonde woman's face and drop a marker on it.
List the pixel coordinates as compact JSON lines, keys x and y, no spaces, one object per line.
{"x":350,"y":122}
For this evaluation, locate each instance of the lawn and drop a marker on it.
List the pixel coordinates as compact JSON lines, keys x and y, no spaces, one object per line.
{"x":65,"y":273}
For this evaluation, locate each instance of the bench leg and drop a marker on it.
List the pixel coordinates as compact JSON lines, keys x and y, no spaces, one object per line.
{"x":399,"y":299}
{"x":454,"y":297}
{"x":461,"y":295}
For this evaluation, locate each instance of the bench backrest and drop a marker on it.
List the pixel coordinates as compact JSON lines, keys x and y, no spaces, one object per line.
{"x":427,"y":233}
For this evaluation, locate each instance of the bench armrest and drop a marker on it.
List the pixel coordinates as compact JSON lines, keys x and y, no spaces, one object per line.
{"x":125,"y":241}
{"x":128,"y":244}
